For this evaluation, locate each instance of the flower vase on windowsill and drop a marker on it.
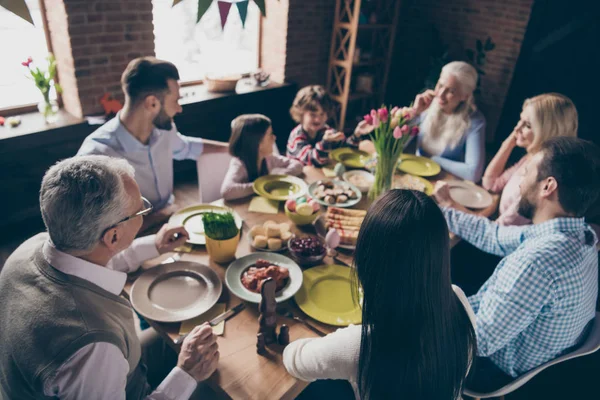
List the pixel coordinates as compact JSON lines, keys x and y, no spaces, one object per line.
{"x":45,"y":82}
{"x":392,"y":131}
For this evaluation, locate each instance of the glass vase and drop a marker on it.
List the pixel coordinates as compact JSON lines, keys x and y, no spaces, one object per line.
{"x":384,"y":174}
{"x":49,"y":109}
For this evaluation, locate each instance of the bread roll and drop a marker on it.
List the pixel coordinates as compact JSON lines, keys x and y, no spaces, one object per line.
{"x":274,"y":244}
{"x":260,"y":242}
{"x":273,"y":231}
{"x":257,"y":230}
{"x":285,"y":236}
{"x":284,"y":227}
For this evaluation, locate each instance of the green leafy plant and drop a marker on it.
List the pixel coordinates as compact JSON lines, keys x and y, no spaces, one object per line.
{"x":219,"y":226}
{"x":477,"y":58}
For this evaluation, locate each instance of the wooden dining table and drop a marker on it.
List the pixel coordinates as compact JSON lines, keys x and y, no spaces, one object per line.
{"x":242,"y":373}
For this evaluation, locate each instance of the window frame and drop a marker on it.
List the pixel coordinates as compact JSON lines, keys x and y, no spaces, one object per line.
{"x":33,"y":107}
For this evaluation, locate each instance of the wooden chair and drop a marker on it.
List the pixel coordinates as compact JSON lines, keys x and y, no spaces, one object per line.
{"x":591,"y":345}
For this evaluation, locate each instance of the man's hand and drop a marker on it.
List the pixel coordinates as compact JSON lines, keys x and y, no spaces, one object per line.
{"x":169,"y":238}
{"x":363,"y":128}
{"x":423,"y":101}
{"x":199,"y":353}
{"x":331,"y":135}
{"x":441,"y":194}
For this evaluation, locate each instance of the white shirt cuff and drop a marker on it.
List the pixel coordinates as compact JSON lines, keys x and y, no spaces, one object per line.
{"x":130,"y":259}
{"x":178,"y":385}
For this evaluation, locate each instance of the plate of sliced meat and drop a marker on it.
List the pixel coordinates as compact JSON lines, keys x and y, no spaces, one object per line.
{"x":244,"y":277}
{"x":346,"y":222}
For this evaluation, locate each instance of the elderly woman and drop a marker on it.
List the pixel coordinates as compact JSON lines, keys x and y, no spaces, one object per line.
{"x":545,"y":116}
{"x":452,"y":129}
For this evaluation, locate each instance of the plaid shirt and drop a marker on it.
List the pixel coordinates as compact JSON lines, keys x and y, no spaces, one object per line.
{"x":315,"y":151}
{"x":541,"y":296}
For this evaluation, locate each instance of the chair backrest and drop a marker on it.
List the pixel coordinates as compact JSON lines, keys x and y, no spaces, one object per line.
{"x":212,"y":168}
{"x":591,"y":345}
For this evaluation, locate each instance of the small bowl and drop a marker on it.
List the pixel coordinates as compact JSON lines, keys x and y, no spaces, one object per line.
{"x":306,"y":261}
{"x":300,"y":220}
{"x":369,"y":177}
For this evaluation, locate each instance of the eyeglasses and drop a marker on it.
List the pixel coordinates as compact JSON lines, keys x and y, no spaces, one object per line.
{"x":147,"y":209}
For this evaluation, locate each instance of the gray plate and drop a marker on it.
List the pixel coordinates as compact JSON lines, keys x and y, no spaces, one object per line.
{"x":176,"y":291}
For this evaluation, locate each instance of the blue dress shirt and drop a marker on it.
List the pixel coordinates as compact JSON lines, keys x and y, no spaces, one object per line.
{"x":537,"y":303}
{"x":153,"y":162}
{"x":467,"y":159}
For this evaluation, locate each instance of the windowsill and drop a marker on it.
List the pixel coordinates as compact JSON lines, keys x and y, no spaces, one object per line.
{"x":32,"y":123}
{"x":198,"y":93}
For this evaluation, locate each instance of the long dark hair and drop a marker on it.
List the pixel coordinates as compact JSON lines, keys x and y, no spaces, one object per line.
{"x":247,"y":131}
{"x":417,"y":339}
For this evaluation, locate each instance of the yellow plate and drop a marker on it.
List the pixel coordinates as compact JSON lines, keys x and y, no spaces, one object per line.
{"x":279,"y":187}
{"x":396,"y":184}
{"x":326,"y":295}
{"x":191,"y":219}
{"x":420,"y":166}
{"x":349,"y":157}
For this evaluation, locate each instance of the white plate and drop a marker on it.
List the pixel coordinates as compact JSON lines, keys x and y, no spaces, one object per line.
{"x":369,"y":177}
{"x":234,"y":272}
{"x":469,"y":195}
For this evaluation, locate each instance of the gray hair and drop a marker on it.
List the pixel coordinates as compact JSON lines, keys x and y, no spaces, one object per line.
{"x":80,"y":198}
{"x":441,"y":131}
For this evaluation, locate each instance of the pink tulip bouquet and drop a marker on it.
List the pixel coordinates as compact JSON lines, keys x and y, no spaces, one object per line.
{"x":392,"y":131}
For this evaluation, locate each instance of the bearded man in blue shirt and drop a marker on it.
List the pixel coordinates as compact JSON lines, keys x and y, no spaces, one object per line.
{"x":538,"y":303}
{"x":144,"y":133}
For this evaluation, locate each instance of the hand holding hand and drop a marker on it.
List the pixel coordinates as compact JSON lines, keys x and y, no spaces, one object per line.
{"x":199,"y":353}
{"x":423,"y":101}
{"x":331,"y":135}
{"x":169,"y":238}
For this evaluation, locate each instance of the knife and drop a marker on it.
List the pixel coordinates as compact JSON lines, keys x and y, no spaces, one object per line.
{"x":217,"y":320}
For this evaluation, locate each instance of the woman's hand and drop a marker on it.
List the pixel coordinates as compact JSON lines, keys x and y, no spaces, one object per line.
{"x":441,"y":194}
{"x":423,"y":101}
{"x":363,"y":128}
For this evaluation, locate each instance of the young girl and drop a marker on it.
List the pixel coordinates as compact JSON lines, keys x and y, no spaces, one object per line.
{"x":312,"y":140}
{"x":417,"y":337}
{"x":251,"y":144}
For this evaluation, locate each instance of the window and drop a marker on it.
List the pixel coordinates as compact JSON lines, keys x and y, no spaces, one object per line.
{"x":19,"y":40}
{"x":200,"y":48}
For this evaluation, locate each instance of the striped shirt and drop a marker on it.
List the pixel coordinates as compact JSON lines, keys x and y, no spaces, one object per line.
{"x":315,"y":151}
{"x":541,"y":296}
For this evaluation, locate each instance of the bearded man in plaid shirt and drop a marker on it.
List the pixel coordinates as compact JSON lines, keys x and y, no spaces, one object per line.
{"x":538,"y":303}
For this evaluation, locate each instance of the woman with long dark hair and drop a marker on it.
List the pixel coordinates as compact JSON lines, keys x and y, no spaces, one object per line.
{"x":417,"y":339}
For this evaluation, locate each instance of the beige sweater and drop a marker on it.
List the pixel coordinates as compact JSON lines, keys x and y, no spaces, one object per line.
{"x":335,"y":356}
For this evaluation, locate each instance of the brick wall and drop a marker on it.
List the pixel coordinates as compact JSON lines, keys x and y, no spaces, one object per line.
{"x":93,"y":42}
{"x":460,"y":23}
{"x":310,"y":25}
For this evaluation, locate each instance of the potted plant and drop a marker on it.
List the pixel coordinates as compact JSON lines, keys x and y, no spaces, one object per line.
{"x":222,"y":236}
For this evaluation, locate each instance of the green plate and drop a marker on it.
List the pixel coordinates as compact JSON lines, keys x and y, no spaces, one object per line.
{"x":420,"y":166}
{"x":191,"y":219}
{"x":279,"y":187}
{"x":326,"y":295}
{"x":350,"y":157}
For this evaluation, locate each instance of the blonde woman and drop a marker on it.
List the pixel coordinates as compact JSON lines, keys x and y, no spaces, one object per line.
{"x":452,"y":129}
{"x":545,"y":116}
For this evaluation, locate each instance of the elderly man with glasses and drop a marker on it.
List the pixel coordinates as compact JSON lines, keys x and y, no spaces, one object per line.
{"x":65,"y":332}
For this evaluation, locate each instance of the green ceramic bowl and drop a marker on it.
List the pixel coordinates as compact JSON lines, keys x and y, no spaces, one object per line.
{"x":300,"y":220}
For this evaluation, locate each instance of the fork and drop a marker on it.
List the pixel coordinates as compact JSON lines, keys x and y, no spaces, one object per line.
{"x":289,"y":314}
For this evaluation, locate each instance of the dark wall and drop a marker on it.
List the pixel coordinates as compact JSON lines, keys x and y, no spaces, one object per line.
{"x":25,"y":159}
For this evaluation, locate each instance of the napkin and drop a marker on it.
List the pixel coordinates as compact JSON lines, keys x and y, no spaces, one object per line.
{"x":259,"y":204}
{"x":329,"y":172}
{"x":215,"y":311}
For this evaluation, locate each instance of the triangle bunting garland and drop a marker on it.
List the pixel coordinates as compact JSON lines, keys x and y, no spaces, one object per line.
{"x":224,"y":11}
{"x":243,"y":10}
{"x":203,"y":5}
